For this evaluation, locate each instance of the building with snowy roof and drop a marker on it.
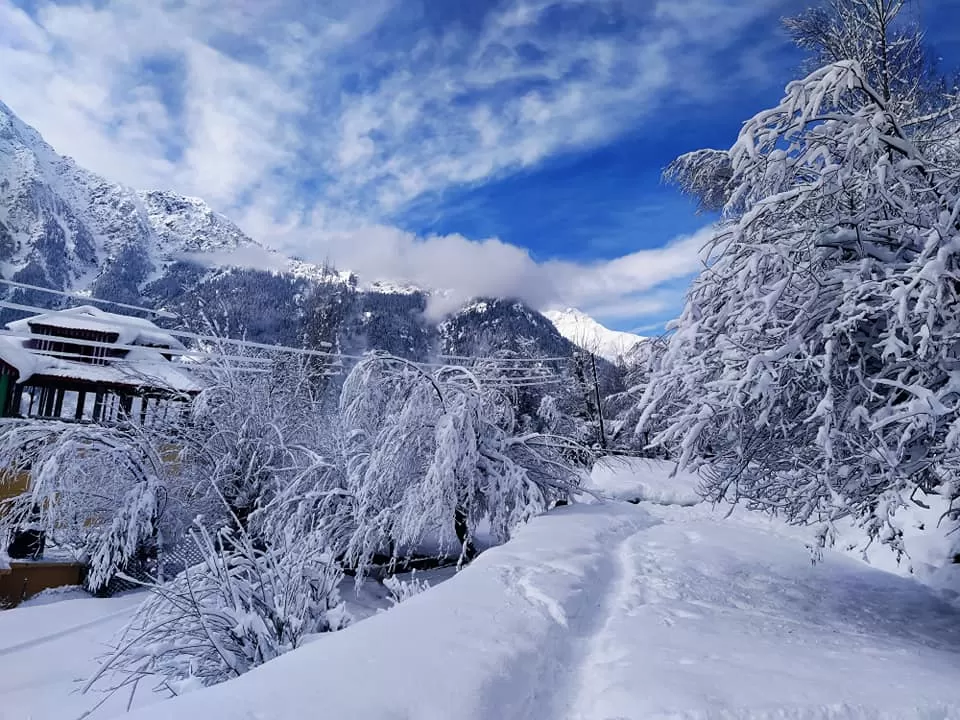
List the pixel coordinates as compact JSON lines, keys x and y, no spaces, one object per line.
{"x":86,"y":364}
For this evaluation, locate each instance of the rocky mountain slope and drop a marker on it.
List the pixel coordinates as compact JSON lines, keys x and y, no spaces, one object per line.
{"x":64,"y":227}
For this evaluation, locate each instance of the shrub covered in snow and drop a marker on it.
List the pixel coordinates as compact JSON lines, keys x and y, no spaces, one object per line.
{"x":107,"y":492}
{"x":238,"y":608}
{"x":254,"y":439}
{"x":428,"y":451}
{"x":401,"y":590}
{"x":119,"y":494}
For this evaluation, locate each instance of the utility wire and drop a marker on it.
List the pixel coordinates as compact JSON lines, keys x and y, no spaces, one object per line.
{"x":503,"y":364}
{"x":89,"y":299}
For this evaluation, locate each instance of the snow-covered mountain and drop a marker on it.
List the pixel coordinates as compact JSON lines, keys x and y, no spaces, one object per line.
{"x":65,"y":227}
{"x":585,"y":332}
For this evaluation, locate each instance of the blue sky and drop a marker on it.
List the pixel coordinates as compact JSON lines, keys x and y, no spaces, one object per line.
{"x":510,"y":147}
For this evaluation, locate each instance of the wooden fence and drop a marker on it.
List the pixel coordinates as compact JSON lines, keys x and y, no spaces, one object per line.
{"x":25,"y":578}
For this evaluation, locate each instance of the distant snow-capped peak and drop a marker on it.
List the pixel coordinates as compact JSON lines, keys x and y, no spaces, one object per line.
{"x":585,"y":332}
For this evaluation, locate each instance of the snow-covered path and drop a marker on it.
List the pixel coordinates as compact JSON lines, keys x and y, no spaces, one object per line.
{"x":611,"y":612}
{"x":615,"y":612}
{"x":713,"y":619}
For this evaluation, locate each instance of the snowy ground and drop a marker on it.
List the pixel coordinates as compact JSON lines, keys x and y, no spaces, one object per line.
{"x":47,"y":647}
{"x":609,"y":611}
{"x":50,"y":645}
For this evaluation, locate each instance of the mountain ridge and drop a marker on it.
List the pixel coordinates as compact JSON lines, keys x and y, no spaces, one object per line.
{"x":585,"y":332}
{"x":69,"y":229}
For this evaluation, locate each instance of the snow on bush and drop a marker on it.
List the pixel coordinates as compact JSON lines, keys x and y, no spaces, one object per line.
{"x":430,"y":451}
{"x":105,"y":491}
{"x":401,"y":590}
{"x":252,"y":440}
{"x":120,"y":494}
{"x":238,"y":608}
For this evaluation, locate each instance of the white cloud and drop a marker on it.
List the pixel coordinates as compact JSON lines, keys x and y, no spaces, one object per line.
{"x":77,"y":73}
{"x":247,"y":256}
{"x":275,"y":86}
{"x":644,"y":284}
{"x":288,"y":118}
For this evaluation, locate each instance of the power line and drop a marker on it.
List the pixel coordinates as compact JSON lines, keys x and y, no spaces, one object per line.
{"x":505,"y":364}
{"x":531,"y":360}
{"x":89,"y":299}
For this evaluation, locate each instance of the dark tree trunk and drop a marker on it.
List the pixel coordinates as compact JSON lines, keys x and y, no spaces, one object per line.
{"x":463,"y":534}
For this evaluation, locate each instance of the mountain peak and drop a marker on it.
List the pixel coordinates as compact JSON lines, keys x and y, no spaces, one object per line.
{"x":585,"y":332}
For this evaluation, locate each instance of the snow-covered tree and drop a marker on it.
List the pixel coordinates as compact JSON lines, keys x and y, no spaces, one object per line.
{"x":438,"y":451}
{"x":108,"y":492}
{"x":625,"y":408}
{"x":254,"y":435}
{"x":254,"y":451}
{"x":813,"y":368}
{"x":119,"y":493}
{"x":888,"y":46}
{"x":704,"y":174}
{"x":882,"y":38}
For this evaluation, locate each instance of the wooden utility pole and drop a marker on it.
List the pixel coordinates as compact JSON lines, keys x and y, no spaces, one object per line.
{"x":596,"y":390}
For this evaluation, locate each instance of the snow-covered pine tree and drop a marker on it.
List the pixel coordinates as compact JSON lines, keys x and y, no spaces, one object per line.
{"x":814,"y":369}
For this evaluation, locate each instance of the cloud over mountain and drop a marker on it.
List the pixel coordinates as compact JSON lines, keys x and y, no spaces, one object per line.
{"x":314,"y":126}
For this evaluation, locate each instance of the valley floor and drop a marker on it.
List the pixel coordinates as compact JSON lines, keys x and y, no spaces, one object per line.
{"x":607,"y":611}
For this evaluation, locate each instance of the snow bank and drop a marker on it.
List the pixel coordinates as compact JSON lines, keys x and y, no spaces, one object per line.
{"x":929,"y":539}
{"x":617,"y":611}
{"x":592,"y":612}
{"x":47,"y":648}
{"x":487,"y":643}
{"x":640,"y":480}
{"x":713,"y":619}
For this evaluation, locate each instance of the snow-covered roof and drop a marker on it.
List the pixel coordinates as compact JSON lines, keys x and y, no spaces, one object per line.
{"x":16,"y":356}
{"x":157,"y":373}
{"x":143,"y":366}
{"x":129,"y":330}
